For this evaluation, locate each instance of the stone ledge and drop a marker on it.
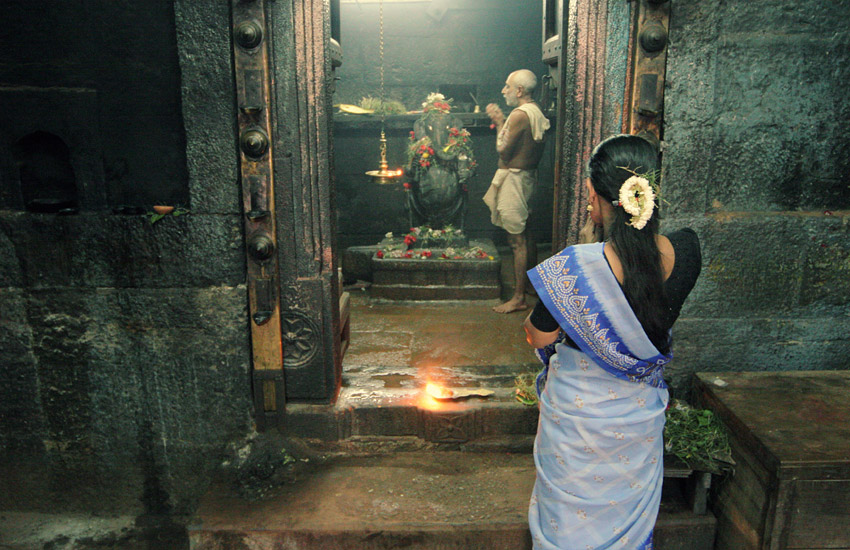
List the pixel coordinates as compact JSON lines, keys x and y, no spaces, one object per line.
{"x":446,"y":500}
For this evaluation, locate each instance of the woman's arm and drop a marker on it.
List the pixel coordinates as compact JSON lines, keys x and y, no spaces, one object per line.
{"x":538,"y":338}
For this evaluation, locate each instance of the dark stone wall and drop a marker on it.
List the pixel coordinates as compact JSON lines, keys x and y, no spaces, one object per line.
{"x":471,"y":43}
{"x":756,"y":160}
{"x":125,"y":356}
{"x":120,"y":55}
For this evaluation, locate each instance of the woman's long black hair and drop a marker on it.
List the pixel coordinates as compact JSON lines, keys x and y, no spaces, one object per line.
{"x":612,"y":163}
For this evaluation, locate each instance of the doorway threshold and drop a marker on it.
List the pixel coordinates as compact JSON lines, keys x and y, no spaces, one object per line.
{"x":397,"y":349}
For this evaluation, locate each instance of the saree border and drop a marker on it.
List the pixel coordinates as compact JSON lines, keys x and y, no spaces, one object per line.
{"x":578,"y":304}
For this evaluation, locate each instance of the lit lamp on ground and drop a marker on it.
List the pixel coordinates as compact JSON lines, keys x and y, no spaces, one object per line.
{"x":383,"y":175}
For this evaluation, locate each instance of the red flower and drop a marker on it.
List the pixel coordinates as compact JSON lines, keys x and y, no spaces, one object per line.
{"x":453,"y":131}
{"x":412,"y":134}
{"x":409,"y":240}
{"x":408,"y":254}
{"x":443,"y":255}
{"x":380,"y":254}
{"x":426,"y":254}
{"x":406,"y":185}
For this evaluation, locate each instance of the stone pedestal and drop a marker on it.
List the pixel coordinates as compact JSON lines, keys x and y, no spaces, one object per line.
{"x":436,"y":278}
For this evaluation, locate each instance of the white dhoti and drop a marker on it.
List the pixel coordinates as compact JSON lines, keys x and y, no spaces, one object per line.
{"x":508,"y":198}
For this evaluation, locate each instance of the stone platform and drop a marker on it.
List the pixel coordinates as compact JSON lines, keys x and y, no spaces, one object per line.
{"x":416,"y":501}
{"x":431,"y":278}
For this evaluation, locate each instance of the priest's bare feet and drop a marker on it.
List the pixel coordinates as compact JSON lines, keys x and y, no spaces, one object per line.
{"x":514,"y":304}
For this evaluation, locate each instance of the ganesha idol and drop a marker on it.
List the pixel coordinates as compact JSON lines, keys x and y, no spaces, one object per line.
{"x":440,"y":163}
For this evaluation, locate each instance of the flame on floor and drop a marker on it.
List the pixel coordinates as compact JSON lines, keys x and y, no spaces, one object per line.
{"x":437,"y":391}
{"x":433,"y":397}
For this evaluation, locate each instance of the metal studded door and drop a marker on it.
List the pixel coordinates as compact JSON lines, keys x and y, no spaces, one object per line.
{"x":644,"y":101}
{"x":283,"y":76}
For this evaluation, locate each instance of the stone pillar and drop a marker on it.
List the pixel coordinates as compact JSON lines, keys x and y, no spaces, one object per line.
{"x":304,"y":197}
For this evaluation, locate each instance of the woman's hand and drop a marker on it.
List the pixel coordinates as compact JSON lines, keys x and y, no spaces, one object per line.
{"x":537,"y":338}
{"x":590,"y":233}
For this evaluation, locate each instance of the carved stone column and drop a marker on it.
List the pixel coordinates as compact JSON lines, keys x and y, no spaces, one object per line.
{"x":580,"y":111}
{"x":304,"y":197}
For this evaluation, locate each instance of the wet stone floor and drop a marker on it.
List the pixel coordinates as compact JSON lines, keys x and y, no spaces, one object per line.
{"x":406,"y":344}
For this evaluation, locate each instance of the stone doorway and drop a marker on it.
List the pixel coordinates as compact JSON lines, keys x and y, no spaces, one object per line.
{"x":400,"y":345}
{"x":312,"y":200}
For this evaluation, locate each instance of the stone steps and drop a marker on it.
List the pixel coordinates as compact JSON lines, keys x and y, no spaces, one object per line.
{"x":414,"y":500}
{"x":410,"y":413}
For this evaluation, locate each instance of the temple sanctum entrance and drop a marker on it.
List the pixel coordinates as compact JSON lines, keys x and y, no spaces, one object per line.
{"x":317,"y":227}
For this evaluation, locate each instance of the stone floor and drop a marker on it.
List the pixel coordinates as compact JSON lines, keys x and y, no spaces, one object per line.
{"x":415,"y":501}
{"x":406,"y":470}
{"x":406,"y":344}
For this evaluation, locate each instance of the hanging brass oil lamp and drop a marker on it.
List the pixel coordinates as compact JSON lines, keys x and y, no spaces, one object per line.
{"x":383,"y":175}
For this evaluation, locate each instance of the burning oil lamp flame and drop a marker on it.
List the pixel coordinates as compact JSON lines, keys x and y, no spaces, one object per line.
{"x":438,"y":392}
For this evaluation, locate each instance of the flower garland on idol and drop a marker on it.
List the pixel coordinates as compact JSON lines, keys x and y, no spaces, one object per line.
{"x":436,"y":103}
{"x":637,"y":197}
{"x":420,"y":152}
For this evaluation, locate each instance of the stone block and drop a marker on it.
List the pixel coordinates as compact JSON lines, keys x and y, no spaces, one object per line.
{"x":767,"y":344}
{"x":324,"y":422}
{"x":507,"y":418}
{"x":454,"y":426}
{"x":113,"y":251}
{"x":357,"y":263}
{"x":826,"y":268}
{"x":385,"y":420}
{"x":752,"y":266}
{"x":208,"y":106}
{"x":438,"y":279}
{"x":126,"y":381}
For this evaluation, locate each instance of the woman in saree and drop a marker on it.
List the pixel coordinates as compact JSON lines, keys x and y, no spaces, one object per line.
{"x":602,"y":329}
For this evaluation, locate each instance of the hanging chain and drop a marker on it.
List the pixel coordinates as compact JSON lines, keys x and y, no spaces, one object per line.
{"x":381,"y":19}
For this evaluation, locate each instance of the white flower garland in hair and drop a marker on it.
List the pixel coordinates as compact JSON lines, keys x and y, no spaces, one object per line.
{"x":638,"y":199}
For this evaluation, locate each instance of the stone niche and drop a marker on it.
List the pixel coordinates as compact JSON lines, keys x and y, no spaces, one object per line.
{"x":51,"y":159}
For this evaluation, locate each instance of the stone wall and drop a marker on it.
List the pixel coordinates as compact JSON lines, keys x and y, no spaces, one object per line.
{"x":428,"y":44}
{"x":124,"y":364}
{"x":107,"y":82}
{"x":756,"y":161}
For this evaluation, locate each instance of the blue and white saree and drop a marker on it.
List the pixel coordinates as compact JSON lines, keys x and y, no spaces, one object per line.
{"x":599,"y":447}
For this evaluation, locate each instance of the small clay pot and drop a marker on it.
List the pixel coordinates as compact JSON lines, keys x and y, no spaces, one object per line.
{"x":163,"y":209}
